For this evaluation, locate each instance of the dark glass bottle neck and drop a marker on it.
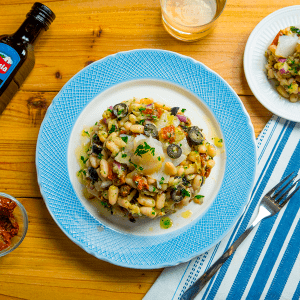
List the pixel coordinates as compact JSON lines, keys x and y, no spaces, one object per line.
{"x":29,"y":31}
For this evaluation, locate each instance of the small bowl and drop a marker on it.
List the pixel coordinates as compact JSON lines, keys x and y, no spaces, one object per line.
{"x":22,"y":219}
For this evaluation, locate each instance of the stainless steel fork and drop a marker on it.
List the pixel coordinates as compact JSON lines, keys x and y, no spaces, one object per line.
{"x":269,"y":206}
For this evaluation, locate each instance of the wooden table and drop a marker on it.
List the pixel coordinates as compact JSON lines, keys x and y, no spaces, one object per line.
{"x":47,"y":265}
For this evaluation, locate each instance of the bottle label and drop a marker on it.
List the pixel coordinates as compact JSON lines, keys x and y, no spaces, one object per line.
{"x":9,"y":59}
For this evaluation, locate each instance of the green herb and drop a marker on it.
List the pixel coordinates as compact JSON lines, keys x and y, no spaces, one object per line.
{"x":142,"y":108}
{"x":162,"y":180}
{"x":295,"y":30}
{"x":81,"y":171}
{"x":154,"y":117}
{"x":154,"y":189}
{"x":84,"y":160}
{"x":220,"y":140}
{"x":96,"y":123}
{"x":87,"y":133}
{"x":290,"y":86}
{"x":142,"y":149}
{"x":185,"y":193}
{"x":110,"y":110}
{"x":199,"y":197}
{"x":141,"y":168}
{"x":120,"y":111}
{"x":159,"y":158}
{"x":124,"y":155}
{"x":136,"y":166}
{"x":100,"y":156}
{"x":141,"y":121}
{"x":104,"y":203}
{"x":183,"y":110}
{"x":112,"y":129}
{"x":124,"y":138}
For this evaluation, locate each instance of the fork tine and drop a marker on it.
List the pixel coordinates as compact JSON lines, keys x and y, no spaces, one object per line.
{"x":279,"y":184}
{"x":281,"y":190}
{"x":291,"y":195}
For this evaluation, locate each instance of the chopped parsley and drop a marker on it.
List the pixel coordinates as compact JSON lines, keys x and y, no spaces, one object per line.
{"x":159,"y":158}
{"x":154,"y":189}
{"x":120,"y":111}
{"x":199,"y":197}
{"x":112,"y":129}
{"x":185,"y":193}
{"x":96,"y":123}
{"x":141,"y":121}
{"x":136,"y":166}
{"x":143,"y":149}
{"x":295,"y":30}
{"x":183,"y":110}
{"x":100,"y":156}
{"x":110,"y":110}
{"x":83,"y":160}
{"x":124,"y":155}
{"x":124,"y":138}
{"x":81,"y":171}
{"x":162,"y":180}
{"x":87,"y":133}
{"x":142,"y":108}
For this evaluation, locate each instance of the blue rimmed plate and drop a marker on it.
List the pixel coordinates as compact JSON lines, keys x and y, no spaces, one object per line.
{"x":177,"y":81}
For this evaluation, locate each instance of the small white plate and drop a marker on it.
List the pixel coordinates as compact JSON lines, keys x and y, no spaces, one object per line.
{"x":255,"y":61}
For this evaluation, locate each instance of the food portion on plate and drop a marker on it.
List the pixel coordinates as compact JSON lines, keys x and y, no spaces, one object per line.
{"x":145,"y":159}
{"x":283,"y":65}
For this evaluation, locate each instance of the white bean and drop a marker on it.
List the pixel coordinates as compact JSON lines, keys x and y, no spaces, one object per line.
{"x":170,"y":169}
{"x":160,"y":200}
{"x":148,"y":211}
{"x":146,"y":201}
{"x":95,"y":161}
{"x":210,"y":163}
{"x":111,"y":146}
{"x":211,"y":151}
{"x":137,"y":128}
{"x":103,"y":168}
{"x":113,"y":193}
{"x":197,"y":182}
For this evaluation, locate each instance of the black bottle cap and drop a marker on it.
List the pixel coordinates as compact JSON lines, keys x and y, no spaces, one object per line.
{"x":42,"y":13}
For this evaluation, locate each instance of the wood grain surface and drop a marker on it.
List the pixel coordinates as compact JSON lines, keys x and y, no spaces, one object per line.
{"x":47,"y":265}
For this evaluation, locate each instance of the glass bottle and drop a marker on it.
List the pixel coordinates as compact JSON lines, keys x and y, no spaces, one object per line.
{"x":17,"y":51}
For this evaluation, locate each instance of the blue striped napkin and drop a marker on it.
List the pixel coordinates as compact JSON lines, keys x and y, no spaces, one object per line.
{"x":267,"y":264}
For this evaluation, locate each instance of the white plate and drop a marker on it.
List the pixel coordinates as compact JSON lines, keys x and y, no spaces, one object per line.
{"x":255,"y":61}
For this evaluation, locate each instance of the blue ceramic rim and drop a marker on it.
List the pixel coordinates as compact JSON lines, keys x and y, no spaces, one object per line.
{"x":248,"y":125}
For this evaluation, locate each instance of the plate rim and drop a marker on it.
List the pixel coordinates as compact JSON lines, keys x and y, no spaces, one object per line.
{"x":246,"y":60}
{"x":237,"y":216}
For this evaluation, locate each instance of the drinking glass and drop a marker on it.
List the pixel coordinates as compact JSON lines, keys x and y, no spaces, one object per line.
{"x":190,"y":20}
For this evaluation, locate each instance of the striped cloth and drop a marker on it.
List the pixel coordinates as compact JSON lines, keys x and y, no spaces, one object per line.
{"x":267,"y":263}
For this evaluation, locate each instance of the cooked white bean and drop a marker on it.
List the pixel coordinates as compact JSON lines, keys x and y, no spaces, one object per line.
{"x":113,"y":193}
{"x":119,"y":142}
{"x":95,"y":161}
{"x":127,"y":125}
{"x":160,"y":200}
{"x":123,"y":202}
{"x":146,"y":201}
{"x":193,"y":155}
{"x":130,"y":182}
{"x":202,"y":149}
{"x":197,"y":182}
{"x":211,"y":151}
{"x":210,"y":163}
{"x":112,"y":147}
{"x":170,"y":169}
{"x":150,"y":180}
{"x":137,"y":128}
{"x":148,"y":211}
{"x":103,"y":168}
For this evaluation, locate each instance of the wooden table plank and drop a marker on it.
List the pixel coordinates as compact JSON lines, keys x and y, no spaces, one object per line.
{"x":48,"y":265}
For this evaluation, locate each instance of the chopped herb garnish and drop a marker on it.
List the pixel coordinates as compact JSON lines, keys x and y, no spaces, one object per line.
{"x":162,"y":180}
{"x":142,"y":149}
{"x":142,"y":108}
{"x":183,"y":110}
{"x":199,"y":197}
{"x":82,"y":171}
{"x":112,"y":129}
{"x":87,"y":133}
{"x":100,"y":156}
{"x":96,"y":123}
{"x":141,"y":121}
{"x":110,"y":110}
{"x":83,"y":160}
{"x":185,"y":193}
{"x":120,"y":111}
{"x":124,"y":138}
{"x":295,"y":30}
{"x":124,"y":155}
{"x":159,"y":158}
{"x":154,"y":189}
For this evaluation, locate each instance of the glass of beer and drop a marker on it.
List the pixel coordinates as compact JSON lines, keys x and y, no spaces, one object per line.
{"x":190,"y":20}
